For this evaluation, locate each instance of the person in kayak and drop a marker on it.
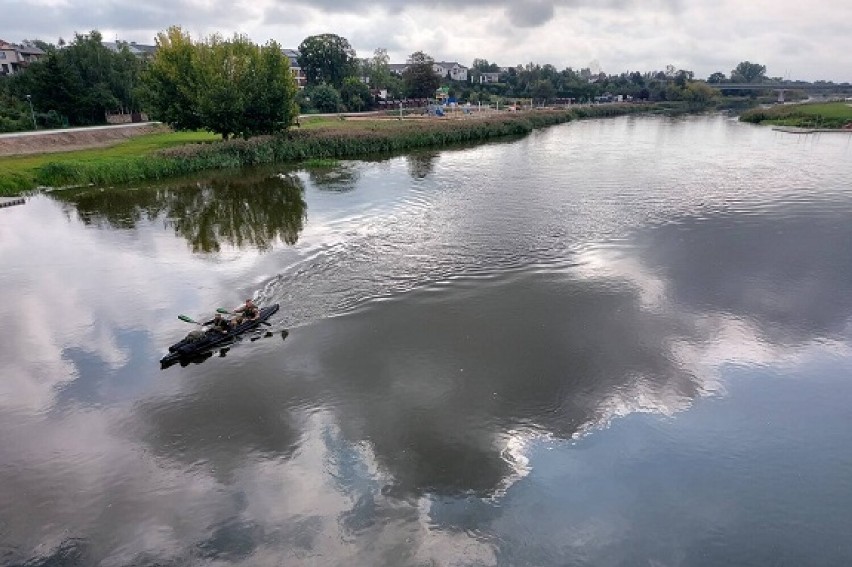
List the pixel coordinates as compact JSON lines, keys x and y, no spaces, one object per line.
{"x":220,"y":325}
{"x":247,"y":312}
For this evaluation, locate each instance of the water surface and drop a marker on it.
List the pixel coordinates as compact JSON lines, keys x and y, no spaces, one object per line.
{"x":613,"y":342}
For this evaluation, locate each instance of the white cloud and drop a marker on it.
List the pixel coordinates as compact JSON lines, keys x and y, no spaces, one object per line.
{"x":793,"y":39}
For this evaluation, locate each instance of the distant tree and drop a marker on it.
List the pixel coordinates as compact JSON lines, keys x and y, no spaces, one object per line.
{"x":355,"y":95}
{"x":325,"y":98}
{"x":378,"y":69}
{"x":419,"y":77}
{"x":326,"y":58}
{"x":637,"y":79}
{"x":483,"y":66}
{"x":82,"y":81}
{"x":543,"y":90}
{"x":682,"y":77}
{"x":699,"y":93}
{"x":747,"y":72}
{"x":717,"y":77}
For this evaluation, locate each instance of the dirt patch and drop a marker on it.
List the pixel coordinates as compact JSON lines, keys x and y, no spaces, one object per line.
{"x":73,"y":140}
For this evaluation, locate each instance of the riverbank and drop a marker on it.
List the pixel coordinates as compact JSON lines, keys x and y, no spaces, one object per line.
{"x":822,"y":116}
{"x":172,"y":154}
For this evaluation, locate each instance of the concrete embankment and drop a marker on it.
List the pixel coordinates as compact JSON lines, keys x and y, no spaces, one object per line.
{"x":51,"y":141}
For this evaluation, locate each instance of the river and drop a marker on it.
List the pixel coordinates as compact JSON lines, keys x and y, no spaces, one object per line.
{"x":612,"y":342}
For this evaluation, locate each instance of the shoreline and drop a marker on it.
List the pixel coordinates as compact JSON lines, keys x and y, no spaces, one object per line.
{"x":315,"y":139}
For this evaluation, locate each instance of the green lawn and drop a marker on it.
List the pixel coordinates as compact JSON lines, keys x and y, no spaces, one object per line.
{"x":809,"y":115}
{"x":842,"y":110}
{"x":18,"y":172}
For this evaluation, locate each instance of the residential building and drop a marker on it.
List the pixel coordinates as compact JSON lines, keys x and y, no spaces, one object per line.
{"x":298,"y":73}
{"x":455,"y":71}
{"x":489,"y":78}
{"x":14,"y":58}
{"x":452,"y":69}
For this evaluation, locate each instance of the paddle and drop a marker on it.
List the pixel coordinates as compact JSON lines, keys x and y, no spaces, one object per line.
{"x":186,"y":319}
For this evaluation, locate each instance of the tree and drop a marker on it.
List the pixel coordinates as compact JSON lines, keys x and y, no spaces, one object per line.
{"x":172,"y":81}
{"x":716,"y":78}
{"x":231,"y":87}
{"x":355,"y":95}
{"x":326,"y":58}
{"x":378,"y":69}
{"x":543,"y":90}
{"x":325,"y":98}
{"x":748,"y":72}
{"x":82,"y":81}
{"x":419,"y":77}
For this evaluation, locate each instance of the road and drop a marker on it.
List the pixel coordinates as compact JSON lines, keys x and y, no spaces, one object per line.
{"x":83,"y":129}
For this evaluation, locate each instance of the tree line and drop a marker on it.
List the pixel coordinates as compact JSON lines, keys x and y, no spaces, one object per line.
{"x":235,"y":87}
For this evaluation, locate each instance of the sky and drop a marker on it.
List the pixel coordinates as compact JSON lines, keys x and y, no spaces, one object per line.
{"x":795,"y":39}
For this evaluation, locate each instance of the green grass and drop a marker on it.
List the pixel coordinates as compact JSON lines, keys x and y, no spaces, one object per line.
{"x":811,"y":115}
{"x":21,"y":173}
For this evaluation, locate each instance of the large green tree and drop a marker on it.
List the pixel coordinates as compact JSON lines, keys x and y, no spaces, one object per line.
{"x":419,"y":77}
{"x":231,"y":87}
{"x":326,"y":58}
{"x":748,"y":72}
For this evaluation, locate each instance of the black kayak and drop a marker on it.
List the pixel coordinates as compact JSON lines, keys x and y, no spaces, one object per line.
{"x":189,"y":348}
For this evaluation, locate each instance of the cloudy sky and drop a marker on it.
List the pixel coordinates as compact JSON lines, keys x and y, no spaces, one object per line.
{"x":793,"y":38}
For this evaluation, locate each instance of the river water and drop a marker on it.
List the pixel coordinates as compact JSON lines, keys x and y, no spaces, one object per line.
{"x":612,"y":342}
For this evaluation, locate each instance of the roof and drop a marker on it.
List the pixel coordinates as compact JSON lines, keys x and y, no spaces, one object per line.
{"x":293,"y":55}
{"x":22,"y":48}
{"x":450,"y":64}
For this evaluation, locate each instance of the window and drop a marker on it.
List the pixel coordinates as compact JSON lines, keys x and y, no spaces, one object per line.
{"x":5,"y":68}
{"x":2,"y":55}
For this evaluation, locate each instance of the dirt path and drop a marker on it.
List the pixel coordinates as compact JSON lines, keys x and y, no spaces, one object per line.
{"x":75,"y":139}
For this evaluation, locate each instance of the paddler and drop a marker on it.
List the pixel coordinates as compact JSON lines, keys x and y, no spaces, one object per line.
{"x":249,"y":311}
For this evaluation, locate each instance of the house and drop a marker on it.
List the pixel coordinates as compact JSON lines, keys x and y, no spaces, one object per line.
{"x":455,"y":71}
{"x":15,"y":58}
{"x":397,"y":68}
{"x":452,"y":69}
{"x":489,"y":78}
{"x":298,"y":73}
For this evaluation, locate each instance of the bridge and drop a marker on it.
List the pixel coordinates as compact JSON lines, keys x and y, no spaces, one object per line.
{"x":782,"y":87}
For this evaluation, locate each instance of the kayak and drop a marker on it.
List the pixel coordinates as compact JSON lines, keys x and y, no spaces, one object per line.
{"x":194,"y":346}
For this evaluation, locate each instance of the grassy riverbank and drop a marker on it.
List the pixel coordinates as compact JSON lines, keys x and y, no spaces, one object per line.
{"x":811,"y":115}
{"x":22,"y":173}
{"x":166,"y":155}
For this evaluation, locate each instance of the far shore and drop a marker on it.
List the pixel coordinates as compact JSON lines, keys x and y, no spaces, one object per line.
{"x":118,"y":156}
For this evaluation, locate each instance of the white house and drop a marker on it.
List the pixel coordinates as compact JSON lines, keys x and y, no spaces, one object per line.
{"x":441,"y":68}
{"x":456,"y":72}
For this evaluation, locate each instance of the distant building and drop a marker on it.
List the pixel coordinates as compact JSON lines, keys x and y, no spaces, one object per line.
{"x":15,"y":58}
{"x":489,"y":78}
{"x":443,"y":69}
{"x":139,"y":50}
{"x":298,"y":73}
{"x":452,"y":69}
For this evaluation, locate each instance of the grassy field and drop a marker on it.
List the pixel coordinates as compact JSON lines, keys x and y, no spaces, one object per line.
{"x":811,"y":115}
{"x":19,"y":173}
